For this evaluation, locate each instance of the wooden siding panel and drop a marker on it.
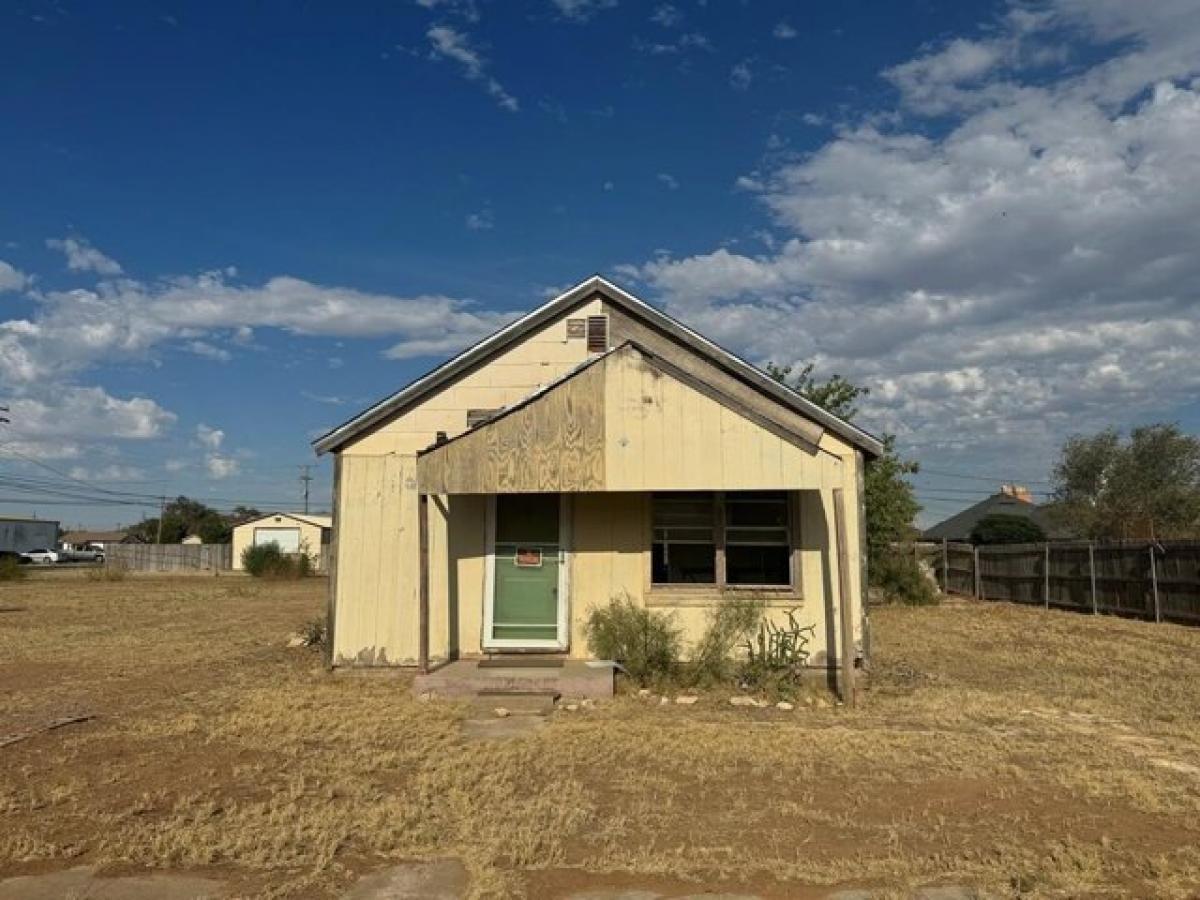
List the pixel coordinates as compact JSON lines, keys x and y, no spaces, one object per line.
{"x":505,"y":380}
{"x":623,"y":327}
{"x":554,"y":442}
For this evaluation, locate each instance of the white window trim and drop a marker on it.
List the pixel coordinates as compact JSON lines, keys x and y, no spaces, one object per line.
{"x":563,"y":639}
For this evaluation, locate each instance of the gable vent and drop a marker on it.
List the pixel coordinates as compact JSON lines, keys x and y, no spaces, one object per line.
{"x":597,"y":334}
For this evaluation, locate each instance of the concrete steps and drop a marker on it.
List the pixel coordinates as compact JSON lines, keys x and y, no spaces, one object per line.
{"x":461,"y":679}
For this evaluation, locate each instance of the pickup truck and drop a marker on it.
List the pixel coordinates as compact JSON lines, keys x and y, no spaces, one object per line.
{"x":86,"y":553}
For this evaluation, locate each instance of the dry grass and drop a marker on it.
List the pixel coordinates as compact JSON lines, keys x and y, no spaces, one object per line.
{"x":1005,"y":747}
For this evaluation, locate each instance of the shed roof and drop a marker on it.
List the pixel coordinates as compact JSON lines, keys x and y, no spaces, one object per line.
{"x":580,"y":293}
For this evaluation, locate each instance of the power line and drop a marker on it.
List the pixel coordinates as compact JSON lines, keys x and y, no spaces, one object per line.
{"x":990,"y":479}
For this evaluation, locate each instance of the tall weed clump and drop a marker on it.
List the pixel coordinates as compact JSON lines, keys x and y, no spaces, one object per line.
{"x":731,"y":623}
{"x":646,"y":643}
{"x":899,"y":577}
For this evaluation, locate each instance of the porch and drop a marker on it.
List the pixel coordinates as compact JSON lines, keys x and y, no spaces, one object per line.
{"x":627,"y":478}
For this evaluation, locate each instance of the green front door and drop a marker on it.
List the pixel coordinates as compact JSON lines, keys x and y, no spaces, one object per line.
{"x":525,"y":605}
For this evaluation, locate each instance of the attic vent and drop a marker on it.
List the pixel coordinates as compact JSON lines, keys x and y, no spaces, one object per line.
{"x":597,"y":334}
{"x":478,"y":416}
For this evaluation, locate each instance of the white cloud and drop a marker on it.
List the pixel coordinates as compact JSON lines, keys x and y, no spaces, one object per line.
{"x":450,"y":43}
{"x":110,"y":472}
{"x":61,"y":419}
{"x":666,"y":15}
{"x":127,"y":320}
{"x":669,"y":181}
{"x":83,"y":257}
{"x":581,"y":10}
{"x":175,"y":465}
{"x":209,"y":351}
{"x":740,"y":76}
{"x":1025,"y":271}
{"x":785,"y":32}
{"x":481,"y":221}
{"x":11,"y":279}
{"x":219,"y":466}
{"x":210,"y":437}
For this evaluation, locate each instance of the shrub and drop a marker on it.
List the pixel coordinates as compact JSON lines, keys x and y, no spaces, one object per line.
{"x":646,"y":643}
{"x":1006,"y":528}
{"x":900,"y":579}
{"x":730,"y":624}
{"x":268,"y":561}
{"x":11,"y":569}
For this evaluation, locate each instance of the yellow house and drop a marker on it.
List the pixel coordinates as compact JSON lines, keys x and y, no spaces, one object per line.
{"x":594,"y":448}
{"x":291,"y":532}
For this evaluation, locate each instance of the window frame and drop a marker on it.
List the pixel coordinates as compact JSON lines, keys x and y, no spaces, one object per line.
{"x":721,"y":585}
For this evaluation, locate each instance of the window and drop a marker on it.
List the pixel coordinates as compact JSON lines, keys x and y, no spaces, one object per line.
{"x":735,"y":539}
{"x":684,"y":550}
{"x":758,"y":546}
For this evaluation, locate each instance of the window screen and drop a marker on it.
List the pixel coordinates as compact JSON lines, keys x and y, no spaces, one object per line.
{"x":684,"y":549}
{"x":757,"y":538}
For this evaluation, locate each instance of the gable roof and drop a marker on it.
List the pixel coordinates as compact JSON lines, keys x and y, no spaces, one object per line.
{"x":735,"y":365}
{"x":586,"y":442}
{"x":306,"y":518}
{"x":958,"y":527}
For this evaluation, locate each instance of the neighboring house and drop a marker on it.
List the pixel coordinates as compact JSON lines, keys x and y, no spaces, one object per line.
{"x":1012,"y":500}
{"x":595,"y":448}
{"x":100,"y":540}
{"x":292,"y":532}
{"x":18,"y":535}
{"x":192,"y":539}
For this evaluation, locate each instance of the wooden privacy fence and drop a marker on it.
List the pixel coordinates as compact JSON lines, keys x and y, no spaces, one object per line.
{"x":170,"y":557}
{"x":1158,"y":580}
{"x":186,"y":557}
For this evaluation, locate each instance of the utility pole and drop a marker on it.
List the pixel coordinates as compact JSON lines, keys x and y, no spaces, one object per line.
{"x":162,"y":511}
{"x":306,"y":480}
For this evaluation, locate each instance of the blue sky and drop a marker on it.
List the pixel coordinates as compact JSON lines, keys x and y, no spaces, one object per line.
{"x":225,"y":227}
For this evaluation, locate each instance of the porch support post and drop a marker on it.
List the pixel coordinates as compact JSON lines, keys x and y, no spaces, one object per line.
{"x":845,"y":613}
{"x":423,"y":590}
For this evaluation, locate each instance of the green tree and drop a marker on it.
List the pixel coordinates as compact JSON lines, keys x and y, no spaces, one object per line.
{"x":891,"y":505}
{"x":1146,"y":486}
{"x":183,"y":516}
{"x":1006,"y":528}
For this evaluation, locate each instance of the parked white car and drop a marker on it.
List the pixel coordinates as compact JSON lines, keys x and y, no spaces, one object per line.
{"x":42,"y":556}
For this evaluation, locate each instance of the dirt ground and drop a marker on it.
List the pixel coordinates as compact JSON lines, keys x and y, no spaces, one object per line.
{"x":1022,"y":752}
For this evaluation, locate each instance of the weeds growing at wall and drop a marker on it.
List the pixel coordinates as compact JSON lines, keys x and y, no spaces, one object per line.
{"x":731,"y":623}
{"x":647,"y":644}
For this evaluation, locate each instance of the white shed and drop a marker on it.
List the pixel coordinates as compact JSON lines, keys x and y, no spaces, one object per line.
{"x":291,"y":532}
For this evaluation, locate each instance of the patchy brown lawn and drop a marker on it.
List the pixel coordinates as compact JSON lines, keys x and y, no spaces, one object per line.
{"x":1015,"y":750}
